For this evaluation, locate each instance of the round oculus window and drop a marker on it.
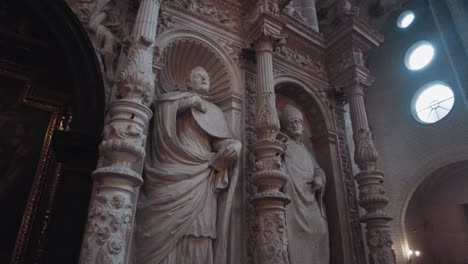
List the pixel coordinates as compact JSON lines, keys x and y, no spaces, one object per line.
{"x":432,"y":102}
{"x":419,"y":55}
{"x":405,"y":19}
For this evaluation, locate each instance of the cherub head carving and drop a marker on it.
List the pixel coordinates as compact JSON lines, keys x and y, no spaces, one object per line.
{"x":198,"y":80}
{"x":292,"y":122}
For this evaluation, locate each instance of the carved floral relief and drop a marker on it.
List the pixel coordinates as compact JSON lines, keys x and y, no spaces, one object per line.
{"x":109,"y":219}
{"x":297,"y":58}
{"x":210,"y":11}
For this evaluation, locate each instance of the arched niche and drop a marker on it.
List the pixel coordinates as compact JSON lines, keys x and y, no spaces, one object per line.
{"x":436,"y":216}
{"x":426,"y":171}
{"x":46,"y":51}
{"x":180,"y":50}
{"x":317,"y":123}
{"x":322,"y":142}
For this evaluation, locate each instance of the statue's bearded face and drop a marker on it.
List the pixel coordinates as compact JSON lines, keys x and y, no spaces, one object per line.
{"x":294,"y":127}
{"x":200,"y":81}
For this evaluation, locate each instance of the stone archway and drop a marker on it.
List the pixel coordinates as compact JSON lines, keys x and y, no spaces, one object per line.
{"x":434,"y":220}
{"x":49,"y":68}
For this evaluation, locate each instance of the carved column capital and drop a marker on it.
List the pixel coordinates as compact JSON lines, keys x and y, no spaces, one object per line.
{"x":266,"y":25}
{"x":356,"y":85}
{"x":263,"y":45}
{"x":355,"y":89}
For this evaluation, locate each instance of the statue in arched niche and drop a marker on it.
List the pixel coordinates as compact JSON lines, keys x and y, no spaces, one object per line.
{"x":306,"y":222}
{"x":189,"y":178}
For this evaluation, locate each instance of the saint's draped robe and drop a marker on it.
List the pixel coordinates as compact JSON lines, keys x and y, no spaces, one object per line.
{"x":306,"y":223}
{"x":177,"y":213}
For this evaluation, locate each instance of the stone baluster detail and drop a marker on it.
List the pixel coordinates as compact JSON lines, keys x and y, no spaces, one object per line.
{"x":112,"y":207}
{"x":371,"y":192}
{"x":269,"y":201}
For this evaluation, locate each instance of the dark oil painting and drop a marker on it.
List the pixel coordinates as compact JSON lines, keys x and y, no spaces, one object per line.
{"x":22,"y":132}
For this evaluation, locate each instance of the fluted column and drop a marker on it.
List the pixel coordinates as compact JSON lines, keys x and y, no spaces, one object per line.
{"x":357,"y":107}
{"x":269,"y":201}
{"x":266,"y":121}
{"x":371,"y":192}
{"x":112,"y":207}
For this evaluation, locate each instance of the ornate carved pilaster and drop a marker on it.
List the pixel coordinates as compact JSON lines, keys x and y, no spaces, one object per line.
{"x":269,"y":201}
{"x":347,"y":71}
{"x":112,"y":206}
{"x":371,"y":192}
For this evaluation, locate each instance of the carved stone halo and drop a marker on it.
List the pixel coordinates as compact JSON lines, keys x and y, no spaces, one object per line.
{"x":182,"y":55}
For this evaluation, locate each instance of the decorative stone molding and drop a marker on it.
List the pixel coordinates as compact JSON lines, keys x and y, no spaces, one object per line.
{"x":111,"y":212}
{"x":105,"y":26}
{"x":380,"y":245}
{"x":211,"y":34}
{"x":134,"y":83}
{"x":166,"y":22}
{"x":273,"y":237}
{"x":293,"y":56}
{"x":208,"y":11}
{"x":371,"y":192}
{"x":365,"y":154}
{"x":269,"y":201}
{"x":232,"y":50}
{"x":353,"y":210}
{"x":109,"y":225}
{"x":347,"y":70}
{"x":251,"y":189}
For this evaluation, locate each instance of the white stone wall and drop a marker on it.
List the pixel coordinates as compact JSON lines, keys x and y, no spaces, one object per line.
{"x":410,"y":151}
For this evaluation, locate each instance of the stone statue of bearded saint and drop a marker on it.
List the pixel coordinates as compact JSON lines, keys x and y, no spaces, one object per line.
{"x":306,"y":222}
{"x":184,"y":202}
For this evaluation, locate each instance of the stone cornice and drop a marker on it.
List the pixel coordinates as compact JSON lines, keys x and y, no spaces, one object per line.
{"x":304,"y":32}
{"x":346,"y":49}
{"x":267,"y":25}
{"x":285,"y":66}
{"x":352,"y":76}
{"x":355,"y":27}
